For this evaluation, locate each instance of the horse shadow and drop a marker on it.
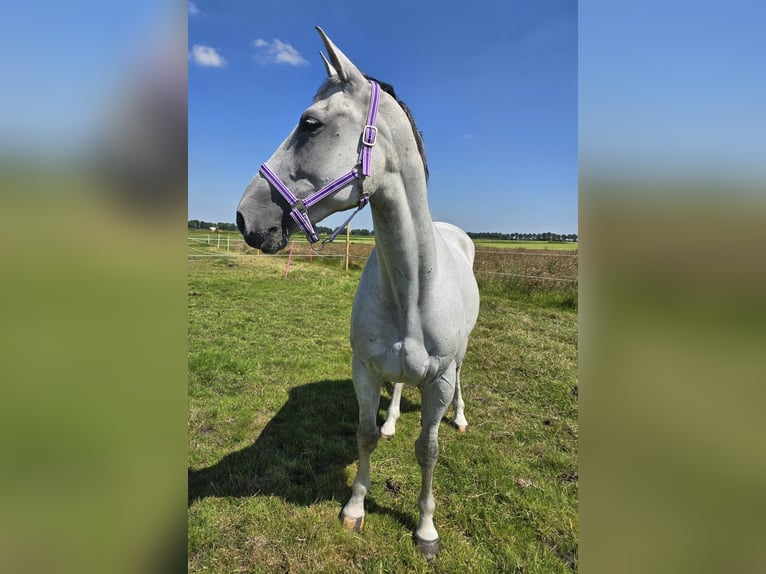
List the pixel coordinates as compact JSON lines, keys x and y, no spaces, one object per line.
{"x":302,"y":455}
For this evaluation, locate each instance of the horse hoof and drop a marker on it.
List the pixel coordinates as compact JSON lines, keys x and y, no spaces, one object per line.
{"x":352,"y":524}
{"x":462,"y":429}
{"x":428,"y":548}
{"x":386,"y":436}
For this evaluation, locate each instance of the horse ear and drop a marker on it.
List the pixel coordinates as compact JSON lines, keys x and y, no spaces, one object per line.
{"x":328,"y":66}
{"x":340,"y":64}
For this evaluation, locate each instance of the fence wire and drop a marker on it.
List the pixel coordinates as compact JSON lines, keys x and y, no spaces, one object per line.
{"x":500,"y":262}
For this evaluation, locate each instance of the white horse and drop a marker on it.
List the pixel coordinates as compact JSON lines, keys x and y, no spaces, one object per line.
{"x":417,"y":300}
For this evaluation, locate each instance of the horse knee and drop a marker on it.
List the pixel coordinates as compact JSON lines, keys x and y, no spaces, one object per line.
{"x":426,"y":451}
{"x":367,"y":437}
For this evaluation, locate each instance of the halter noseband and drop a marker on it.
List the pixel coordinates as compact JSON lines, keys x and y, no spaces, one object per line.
{"x":299,"y":207}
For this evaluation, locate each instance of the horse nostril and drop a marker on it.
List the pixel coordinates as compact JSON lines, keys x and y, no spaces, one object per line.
{"x":240,"y":223}
{"x":273,"y":230}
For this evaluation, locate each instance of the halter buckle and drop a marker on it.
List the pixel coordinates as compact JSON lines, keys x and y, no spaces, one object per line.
{"x":372,"y":131}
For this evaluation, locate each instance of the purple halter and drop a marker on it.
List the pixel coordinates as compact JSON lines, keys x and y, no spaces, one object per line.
{"x":299,"y":207}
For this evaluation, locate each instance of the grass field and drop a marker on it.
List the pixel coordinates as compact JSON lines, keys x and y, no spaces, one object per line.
{"x":272,"y":420}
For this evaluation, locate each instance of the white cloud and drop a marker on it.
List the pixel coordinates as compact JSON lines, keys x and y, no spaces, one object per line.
{"x":277,"y":52}
{"x":193,"y":10}
{"x":207,"y":56}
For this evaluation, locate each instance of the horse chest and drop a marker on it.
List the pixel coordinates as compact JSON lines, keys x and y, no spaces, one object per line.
{"x":406,"y":361}
{"x":396,"y":353}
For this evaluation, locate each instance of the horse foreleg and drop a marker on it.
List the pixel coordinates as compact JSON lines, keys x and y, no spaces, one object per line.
{"x":388,"y":429}
{"x":367,"y":388}
{"x":435,"y":398}
{"x":458,"y":405}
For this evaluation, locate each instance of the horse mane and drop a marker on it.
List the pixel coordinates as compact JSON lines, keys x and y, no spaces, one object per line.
{"x":389,"y":89}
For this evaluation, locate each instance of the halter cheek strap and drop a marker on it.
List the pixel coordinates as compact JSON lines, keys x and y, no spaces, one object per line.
{"x":299,"y":207}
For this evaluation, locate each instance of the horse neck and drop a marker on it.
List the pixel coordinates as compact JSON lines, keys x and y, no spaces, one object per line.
{"x":404,"y":237}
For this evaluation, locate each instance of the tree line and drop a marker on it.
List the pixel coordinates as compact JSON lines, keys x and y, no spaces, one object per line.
{"x":546,"y":236}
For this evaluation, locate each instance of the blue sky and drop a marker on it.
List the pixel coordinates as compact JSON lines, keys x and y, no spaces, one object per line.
{"x":673,"y":88}
{"x":492,"y":86}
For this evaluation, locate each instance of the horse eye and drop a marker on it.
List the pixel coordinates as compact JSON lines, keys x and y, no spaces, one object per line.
{"x":310,"y":124}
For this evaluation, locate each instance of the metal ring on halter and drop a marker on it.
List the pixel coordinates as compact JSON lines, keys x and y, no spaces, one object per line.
{"x":298,"y":205}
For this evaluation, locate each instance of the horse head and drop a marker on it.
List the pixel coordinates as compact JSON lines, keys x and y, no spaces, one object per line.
{"x":325,"y":144}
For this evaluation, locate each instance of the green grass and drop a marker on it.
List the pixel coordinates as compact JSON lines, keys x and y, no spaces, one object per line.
{"x":272,"y":419}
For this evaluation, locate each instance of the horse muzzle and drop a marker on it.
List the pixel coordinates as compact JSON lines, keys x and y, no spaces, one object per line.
{"x":260,"y":220}
{"x":268,"y":240}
